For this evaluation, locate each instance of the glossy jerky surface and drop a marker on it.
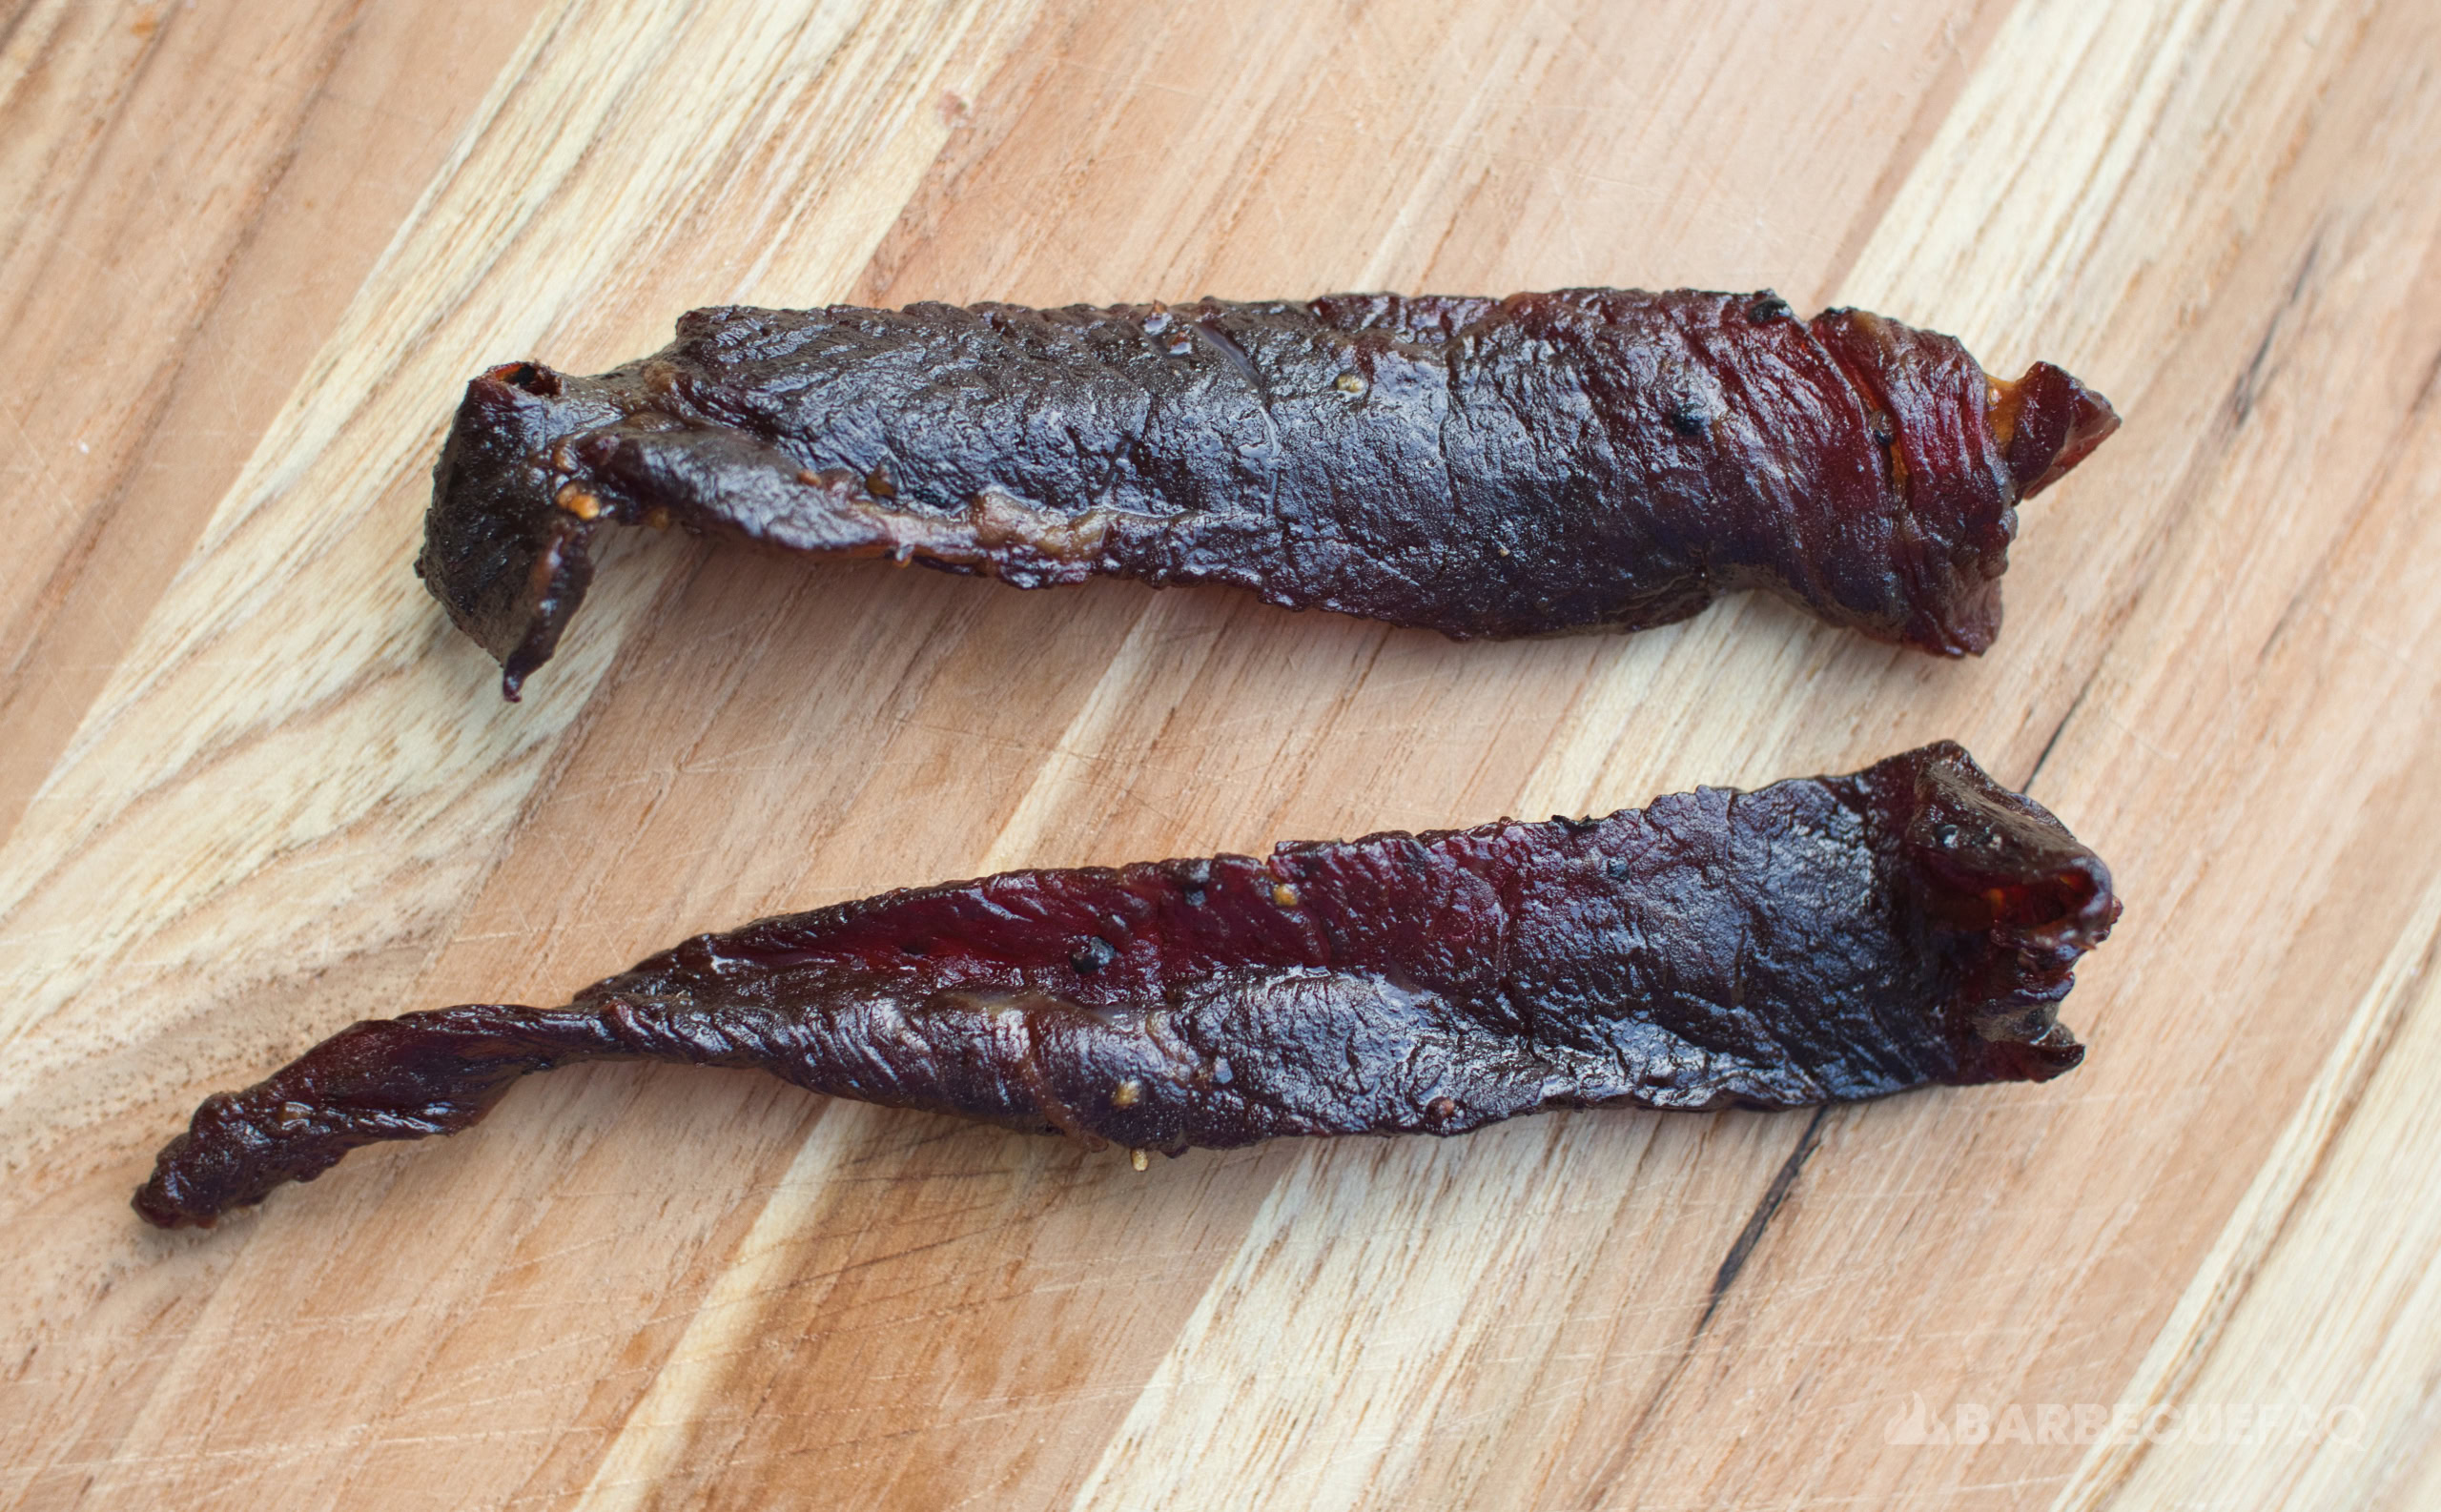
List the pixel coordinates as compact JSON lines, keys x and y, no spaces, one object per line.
{"x":1818,"y":940}
{"x":1486,"y":469}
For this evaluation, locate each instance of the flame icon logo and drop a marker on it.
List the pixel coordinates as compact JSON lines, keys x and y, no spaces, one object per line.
{"x":1915,"y":1424}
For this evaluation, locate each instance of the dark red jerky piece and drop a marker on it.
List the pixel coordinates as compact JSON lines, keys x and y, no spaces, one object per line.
{"x":1819,"y":940}
{"x":1546,"y":462}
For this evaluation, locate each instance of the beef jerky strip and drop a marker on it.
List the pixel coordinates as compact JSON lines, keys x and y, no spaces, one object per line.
{"x":1488,"y":468}
{"x":1820,"y":940}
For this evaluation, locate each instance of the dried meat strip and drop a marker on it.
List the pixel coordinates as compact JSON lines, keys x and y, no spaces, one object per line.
{"x":1818,"y":940}
{"x":1582,"y":460}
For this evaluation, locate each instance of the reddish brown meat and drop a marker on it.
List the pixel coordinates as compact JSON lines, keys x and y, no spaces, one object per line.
{"x":1588,"y":459}
{"x":1823,"y":939}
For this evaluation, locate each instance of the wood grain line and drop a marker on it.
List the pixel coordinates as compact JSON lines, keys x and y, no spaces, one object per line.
{"x":365,"y":412}
{"x":2267,"y":1220}
{"x":162,"y":356}
{"x":378,"y":773}
{"x":659,"y":1429}
{"x":1765,"y":1209}
{"x":1329,"y":1330}
{"x":1079,"y":749}
{"x":278,"y":795}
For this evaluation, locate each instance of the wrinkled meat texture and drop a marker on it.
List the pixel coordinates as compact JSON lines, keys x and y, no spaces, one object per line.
{"x":1818,"y":940}
{"x":1588,"y":459}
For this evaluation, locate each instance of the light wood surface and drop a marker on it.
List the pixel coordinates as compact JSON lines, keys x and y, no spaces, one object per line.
{"x":252,"y":786}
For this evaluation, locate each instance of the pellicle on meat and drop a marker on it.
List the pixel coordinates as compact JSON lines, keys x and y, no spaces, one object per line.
{"x":1819,"y":940}
{"x":1488,"y":468}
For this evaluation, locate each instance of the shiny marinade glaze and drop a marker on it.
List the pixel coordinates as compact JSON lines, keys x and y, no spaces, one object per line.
{"x":1488,"y":468}
{"x":1818,"y":940}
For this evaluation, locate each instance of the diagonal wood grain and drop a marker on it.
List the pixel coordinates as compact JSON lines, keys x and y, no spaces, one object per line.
{"x":356,"y":768}
{"x":264,"y":790}
{"x":1234,"y":1425}
{"x":1264,"y":750}
{"x":161,"y":356}
{"x":2355,"y":1407}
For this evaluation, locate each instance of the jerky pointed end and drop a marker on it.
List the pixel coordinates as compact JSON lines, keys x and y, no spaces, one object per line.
{"x":2047,"y":422}
{"x":401,"y":1079}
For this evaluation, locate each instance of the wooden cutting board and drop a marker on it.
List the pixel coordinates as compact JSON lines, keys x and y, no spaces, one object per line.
{"x":252,"y":786}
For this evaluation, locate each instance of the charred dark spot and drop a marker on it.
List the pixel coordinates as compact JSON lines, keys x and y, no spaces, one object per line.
{"x":1768,"y":309}
{"x":917,"y":947}
{"x":1092,"y":956}
{"x":1576,"y":827}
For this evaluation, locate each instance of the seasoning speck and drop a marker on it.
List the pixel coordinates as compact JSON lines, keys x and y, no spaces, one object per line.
{"x":1283,"y":895}
{"x":1135,"y":1158}
{"x":1127,"y":1094}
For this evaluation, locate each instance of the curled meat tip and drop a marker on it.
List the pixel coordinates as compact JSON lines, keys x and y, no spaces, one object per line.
{"x":1996,"y":868}
{"x":401,"y":1079}
{"x":504,"y":558}
{"x":2047,"y":424}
